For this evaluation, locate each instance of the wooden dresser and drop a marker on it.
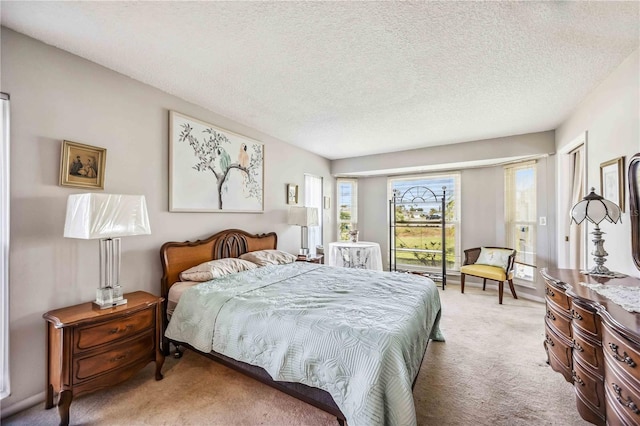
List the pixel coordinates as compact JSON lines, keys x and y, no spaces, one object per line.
{"x":90,"y":348}
{"x":594,"y":344}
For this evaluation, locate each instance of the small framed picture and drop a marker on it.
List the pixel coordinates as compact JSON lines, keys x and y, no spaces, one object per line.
{"x":612,"y":181}
{"x":82,"y":166}
{"x":292,"y":193}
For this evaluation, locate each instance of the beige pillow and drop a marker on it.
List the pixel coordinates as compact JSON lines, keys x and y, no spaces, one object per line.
{"x":269,"y":257}
{"x":494,"y":257}
{"x":215,"y":269}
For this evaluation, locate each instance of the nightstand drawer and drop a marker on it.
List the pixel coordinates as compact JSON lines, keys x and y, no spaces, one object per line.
{"x":118,"y":356}
{"x":89,"y":337}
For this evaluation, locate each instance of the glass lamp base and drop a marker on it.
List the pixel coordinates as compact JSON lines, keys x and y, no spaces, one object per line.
{"x":108,"y":297}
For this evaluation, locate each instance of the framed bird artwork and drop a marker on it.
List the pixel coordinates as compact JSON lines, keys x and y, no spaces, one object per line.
{"x":212,"y":169}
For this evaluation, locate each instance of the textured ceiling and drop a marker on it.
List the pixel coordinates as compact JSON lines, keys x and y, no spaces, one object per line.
{"x":344,"y":79}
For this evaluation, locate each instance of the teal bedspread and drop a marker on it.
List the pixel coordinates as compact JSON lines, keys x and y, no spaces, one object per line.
{"x":360,"y":335}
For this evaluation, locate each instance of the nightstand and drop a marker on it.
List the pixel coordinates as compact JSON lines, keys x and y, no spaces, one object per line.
{"x":90,"y":348}
{"x":317,"y":259}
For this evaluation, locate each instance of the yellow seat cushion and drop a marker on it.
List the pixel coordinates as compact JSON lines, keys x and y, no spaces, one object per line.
{"x":485,"y":271}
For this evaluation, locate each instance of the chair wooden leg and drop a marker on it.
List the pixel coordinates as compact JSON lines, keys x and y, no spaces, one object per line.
{"x":513,"y":289}
{"x":484,"y":284}
{"x":500,"y":290}
{"x":462,"y":283}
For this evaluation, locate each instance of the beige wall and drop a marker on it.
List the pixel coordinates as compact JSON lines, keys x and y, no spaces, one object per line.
{"x":610,"y":115}
{"x":56,"y":95}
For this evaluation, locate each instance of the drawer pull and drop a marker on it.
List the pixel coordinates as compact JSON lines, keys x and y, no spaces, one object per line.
{"x":577,"y":346}
{"x":626,"y":358}
{"x":550,"y":315}
{"x":548,"y":340}
{"x":628,"y":403}
{"x":576,"y":315}
{"x":120,"y":330}
{"x":120,"y":357}
{"x":576,"y":379}
{"x":549,"y":292}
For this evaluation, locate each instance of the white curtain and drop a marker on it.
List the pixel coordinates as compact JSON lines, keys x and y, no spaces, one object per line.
{"x":313,"y":198}
{"x":4,"y":246}
{"x":576,"y":233}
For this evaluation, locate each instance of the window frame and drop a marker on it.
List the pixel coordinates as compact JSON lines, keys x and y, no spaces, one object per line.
{"x":5,"y":382}
{"x":353,"y":222}
{"x":315,"y":236}
{"x":510,"y":222}
{"x":451,"y":222}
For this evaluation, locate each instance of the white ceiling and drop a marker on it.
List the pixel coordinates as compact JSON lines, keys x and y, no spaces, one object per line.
{"x":345,"y":79}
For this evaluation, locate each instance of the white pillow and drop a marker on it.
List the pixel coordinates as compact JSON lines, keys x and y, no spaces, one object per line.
{"x":215,"y":269}
{"x":494,"y":257}
{"x":269,"y":257}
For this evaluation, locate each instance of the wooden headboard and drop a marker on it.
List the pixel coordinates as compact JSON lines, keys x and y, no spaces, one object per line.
{"x":179,"y":256}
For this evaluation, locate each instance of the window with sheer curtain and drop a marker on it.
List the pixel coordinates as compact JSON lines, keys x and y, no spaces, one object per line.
{"x":347,"y":207}
{"x":313,"y":198}
{"x":4,"y":247}
{"x":520,"y":216}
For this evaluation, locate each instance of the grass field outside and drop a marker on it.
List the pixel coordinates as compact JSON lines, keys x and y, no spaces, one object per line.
{"x":424,"y":238}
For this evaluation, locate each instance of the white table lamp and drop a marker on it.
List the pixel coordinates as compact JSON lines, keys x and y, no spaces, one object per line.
{"x":303,"y":217}
{"x":107,"y":217}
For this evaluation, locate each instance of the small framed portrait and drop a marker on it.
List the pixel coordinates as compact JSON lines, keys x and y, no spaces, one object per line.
{"x":292,"y":193}
{"x":612,"y":181}
{"x":82,"y":166}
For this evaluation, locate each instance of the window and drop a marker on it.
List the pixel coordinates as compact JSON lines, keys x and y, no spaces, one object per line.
{"x":520,"y":216}
{"x":313,"y":198}
{"x":4,"y":245}
{"x":347,"y":207}
{"x":418,"y":231}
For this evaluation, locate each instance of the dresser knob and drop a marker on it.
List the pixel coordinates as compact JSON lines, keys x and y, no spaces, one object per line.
{"x":625,"y":403}
{"x":550,"y":315}
{"x":625,"y":358}
{"x":576,"y":315}
{"x":120,"y":357}
{"x":548,"y":340}
{"x":549,"y":292}
{"x":577,"y":346}
{"x":576,"y":379}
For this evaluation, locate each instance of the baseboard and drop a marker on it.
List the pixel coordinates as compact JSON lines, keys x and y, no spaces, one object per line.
{"x":22,"y":405}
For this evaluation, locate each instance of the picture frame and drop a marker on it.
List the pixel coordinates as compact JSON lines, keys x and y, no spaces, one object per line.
{"x":612,"y":181}
{"x":82,"y":166}
{"x":292,"y":193}
{"x":213,"y":169}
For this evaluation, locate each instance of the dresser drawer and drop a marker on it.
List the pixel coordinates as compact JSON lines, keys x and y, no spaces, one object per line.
{"x":117,"y":356}
{"x":558,"y":320}
{"x":559,"y":352}
{"x":589,"y":388}
{"x":588,"y":353}
{"x":109,"y":331}
{"x":557,"y":296}
{"x":622,"y":354}
{"x":586,"y":319}
{"x":623,"y":401}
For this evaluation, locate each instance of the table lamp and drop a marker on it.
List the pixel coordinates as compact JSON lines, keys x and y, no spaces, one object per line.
{"x":595,"y":209}
{"x":107,"y":217}
{"x":303,"y":217}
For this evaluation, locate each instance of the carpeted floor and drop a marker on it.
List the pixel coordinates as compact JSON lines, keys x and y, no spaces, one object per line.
{"x":490,"y":371}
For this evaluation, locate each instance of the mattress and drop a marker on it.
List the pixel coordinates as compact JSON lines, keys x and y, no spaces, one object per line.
{"x":360,"y":335}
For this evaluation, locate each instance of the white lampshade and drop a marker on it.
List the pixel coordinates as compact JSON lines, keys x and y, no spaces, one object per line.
{"x":92,"y":216}
{"x":303,"y":216}
{"x":595,"y":209}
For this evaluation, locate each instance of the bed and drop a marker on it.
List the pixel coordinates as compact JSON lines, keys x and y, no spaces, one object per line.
{"x":349,"y":342}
